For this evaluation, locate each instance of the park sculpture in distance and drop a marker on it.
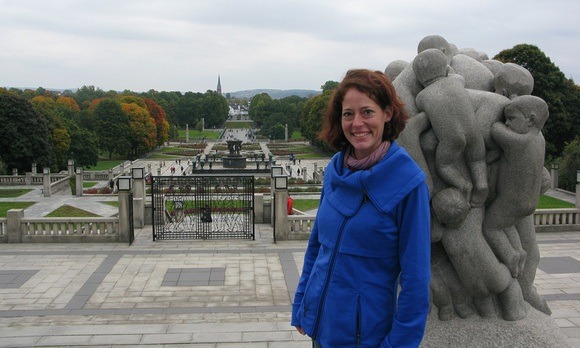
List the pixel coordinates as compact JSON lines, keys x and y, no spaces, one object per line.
{"x":475,"y":130}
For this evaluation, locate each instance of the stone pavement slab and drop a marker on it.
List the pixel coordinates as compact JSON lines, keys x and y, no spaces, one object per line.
{"x":162,"y":294}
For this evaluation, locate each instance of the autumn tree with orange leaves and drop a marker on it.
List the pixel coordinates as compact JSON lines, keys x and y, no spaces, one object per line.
{"x":142,"y":129}
{"x":160,"y":120}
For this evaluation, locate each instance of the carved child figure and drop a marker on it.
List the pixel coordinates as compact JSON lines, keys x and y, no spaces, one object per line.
{"x":519,"y":181}
{"x":447,"y":105}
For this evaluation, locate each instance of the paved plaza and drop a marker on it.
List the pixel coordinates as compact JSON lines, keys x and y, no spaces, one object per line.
{"x":228,"y":293}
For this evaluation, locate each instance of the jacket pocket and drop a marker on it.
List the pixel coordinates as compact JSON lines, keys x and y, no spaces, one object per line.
{"x":308,"y":302}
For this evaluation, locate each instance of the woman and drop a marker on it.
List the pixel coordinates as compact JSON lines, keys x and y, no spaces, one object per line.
{"x":371,"y":232}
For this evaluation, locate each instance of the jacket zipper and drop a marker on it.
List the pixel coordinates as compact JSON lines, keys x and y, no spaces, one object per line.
{"x":327,"y":281}
{"x":358,"y":320}
{"x":331,"y":268}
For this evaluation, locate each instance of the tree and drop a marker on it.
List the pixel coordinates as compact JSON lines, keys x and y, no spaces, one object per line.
{"x":277,"y":132}
{"x":84,"y":149}
{"x":112,"y":127}
{"x":311,"y":118}
{"x":160,"y":120}
{"x":273,"y":124}
{"x":186,"y":109}
{"x":260,"y":108}
{"x":559,"y":93}
{"x":25,"y":134}
{"x":213,"y":108}
{"x":329,"y":86}
{"x":60,"y":138}
{"x":142,"y":130}
{"x":86,"y":94}
{"x":570,"y":163}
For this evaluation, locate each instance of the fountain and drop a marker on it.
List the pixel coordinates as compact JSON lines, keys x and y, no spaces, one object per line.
{"x":234,"y":159}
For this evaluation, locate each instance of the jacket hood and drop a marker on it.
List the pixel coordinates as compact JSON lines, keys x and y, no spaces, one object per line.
{"x":382,"y":185}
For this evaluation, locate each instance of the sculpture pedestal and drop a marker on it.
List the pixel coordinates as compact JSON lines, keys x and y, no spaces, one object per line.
{"x":536,"y":330}
{"x":234,"y":162}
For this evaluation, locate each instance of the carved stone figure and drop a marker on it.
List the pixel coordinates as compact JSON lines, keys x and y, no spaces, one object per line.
{"x":476,"y":132}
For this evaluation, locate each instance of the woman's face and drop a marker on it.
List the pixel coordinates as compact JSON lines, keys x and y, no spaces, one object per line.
{"x":363,"y":122}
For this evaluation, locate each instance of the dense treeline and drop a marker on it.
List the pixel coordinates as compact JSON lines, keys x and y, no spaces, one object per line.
{"x":272,"y":115}
{"x":48,"y":128}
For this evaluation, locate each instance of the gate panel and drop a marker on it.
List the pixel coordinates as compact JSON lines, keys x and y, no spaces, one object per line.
{"x":203,"y":207}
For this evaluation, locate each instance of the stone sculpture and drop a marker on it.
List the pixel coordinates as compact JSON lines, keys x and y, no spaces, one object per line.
{"x":476,"y":132}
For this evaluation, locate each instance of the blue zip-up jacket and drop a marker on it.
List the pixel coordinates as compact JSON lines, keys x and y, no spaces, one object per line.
{"x":372,"y":233}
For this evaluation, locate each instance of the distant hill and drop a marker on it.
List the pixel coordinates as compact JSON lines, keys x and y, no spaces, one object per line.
{"x":275,"y":93}
{"x":247,"y":94}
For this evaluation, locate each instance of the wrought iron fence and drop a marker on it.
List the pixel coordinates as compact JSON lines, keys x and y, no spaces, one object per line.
{"x":203,"y":207}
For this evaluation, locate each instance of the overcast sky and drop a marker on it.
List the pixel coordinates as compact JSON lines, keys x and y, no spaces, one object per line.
{"x":183,"y":45}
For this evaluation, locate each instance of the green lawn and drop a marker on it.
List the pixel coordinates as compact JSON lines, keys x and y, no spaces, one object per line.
{"x":89,"y":183}
{"x":545,"y":202}
{"x":104,"y":165}
{"x":112,"y":203}
{"x":5,"y":206}
{"x":11,"y":193}
{"x":305,"y":204}
{"x":296,"y":135}
{"x":198,"y":135}
{"x":160,"y":156}
{"x":68,"y":211}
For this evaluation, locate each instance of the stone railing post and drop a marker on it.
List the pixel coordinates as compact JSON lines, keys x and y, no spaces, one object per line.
{"x":259,"y":208}
{"x":71,"y":167}
{"x":125,"y":190}
{"x":554,"y":175}
{"x":280,"y":205}
{"x":578,"y":192}
{"x":79,"y":181}
{"x":281,"y":227}
{"x":138,"y":196}
{"x":46,"y":181}
{"x":13,"y":225}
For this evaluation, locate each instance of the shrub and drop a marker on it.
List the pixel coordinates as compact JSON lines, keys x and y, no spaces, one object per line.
{"x":570,"y":163}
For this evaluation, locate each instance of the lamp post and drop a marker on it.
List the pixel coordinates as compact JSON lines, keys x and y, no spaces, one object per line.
{"x":280,"y":201}
{"x":274,"y":171}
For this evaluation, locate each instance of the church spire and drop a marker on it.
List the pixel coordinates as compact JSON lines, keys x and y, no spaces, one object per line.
{"x":219,"y":86}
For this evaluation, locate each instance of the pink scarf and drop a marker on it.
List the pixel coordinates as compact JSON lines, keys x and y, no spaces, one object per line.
{"x":367,"y":162}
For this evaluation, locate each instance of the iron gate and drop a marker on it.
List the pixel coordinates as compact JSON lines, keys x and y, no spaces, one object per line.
{"x":203,"y":207}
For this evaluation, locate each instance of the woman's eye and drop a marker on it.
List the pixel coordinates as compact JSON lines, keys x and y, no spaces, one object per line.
{"x":347,"y":115}
{"x":368,"y":112}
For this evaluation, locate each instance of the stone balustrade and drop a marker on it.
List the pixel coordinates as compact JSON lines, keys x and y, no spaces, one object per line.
{"x":59,"y":230}
{"x":556,"y":220}
{"x":300,"y":226}
{"x":545,"y":220}
{"x":98,"y":229}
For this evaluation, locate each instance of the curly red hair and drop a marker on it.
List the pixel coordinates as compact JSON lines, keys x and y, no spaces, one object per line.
{"x":377,"y":86}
